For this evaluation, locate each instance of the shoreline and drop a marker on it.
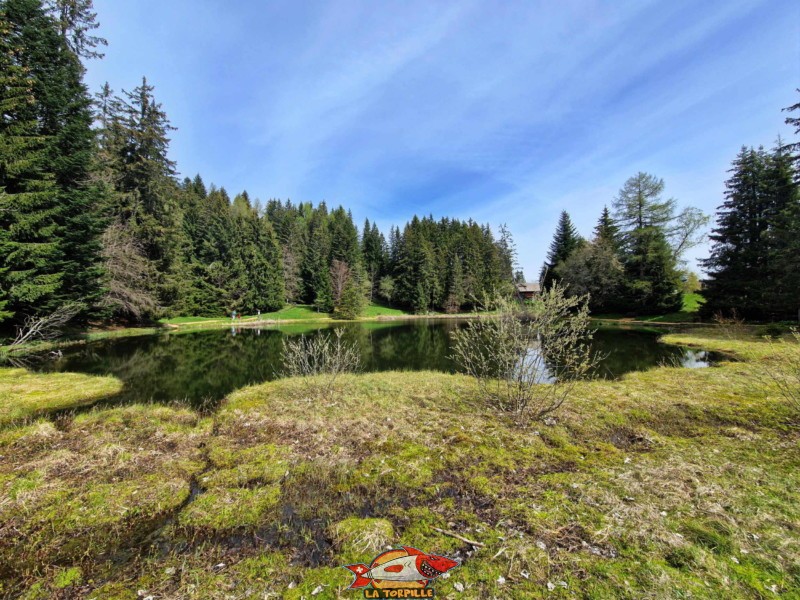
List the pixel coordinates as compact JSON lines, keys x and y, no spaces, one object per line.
{"x":96,"y":334}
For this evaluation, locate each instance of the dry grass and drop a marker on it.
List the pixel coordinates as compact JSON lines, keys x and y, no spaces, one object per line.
{"x":668,"y":483}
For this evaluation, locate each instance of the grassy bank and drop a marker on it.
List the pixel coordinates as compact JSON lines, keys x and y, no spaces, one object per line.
{"x":75,"y":338}
{"x":689,"y":313}
{"x":25,"y":395}
{"x":303,"y":314}
{"x":664,"y":484}
{"x":298,"y":315}
{"x":299,"y":312}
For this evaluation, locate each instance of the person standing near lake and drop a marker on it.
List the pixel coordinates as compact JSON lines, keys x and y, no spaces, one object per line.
{"x":258,"y":314}
{"x":233,"y":315}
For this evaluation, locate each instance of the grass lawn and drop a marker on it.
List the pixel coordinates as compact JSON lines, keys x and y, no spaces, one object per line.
{"x":379,"y":310}
{"x":666,"y":484}
{"x":294,"y":312}
{"x":25,"y":395}
{"x":687,"y":314}
{"x":298,"y":312}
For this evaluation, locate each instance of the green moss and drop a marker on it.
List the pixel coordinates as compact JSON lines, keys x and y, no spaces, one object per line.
{"x":682,"y":558}
{"x":25,"y":395}
{"x":67,"y":577}
{"x":262,"y":463}
{"x":222,"y":509}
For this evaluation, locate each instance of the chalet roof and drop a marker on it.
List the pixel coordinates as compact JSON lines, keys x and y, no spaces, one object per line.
{"x":533,"y":287}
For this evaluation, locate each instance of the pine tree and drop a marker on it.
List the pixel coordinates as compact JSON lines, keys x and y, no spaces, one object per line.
{"x":55,"y":226}
{"x":606,"y":232}
{"x":565,"y":241}
{"x":782,"y":271}
{"x":652,"y":283}
{"x":740,"y":252}
{"x":27,"y":191}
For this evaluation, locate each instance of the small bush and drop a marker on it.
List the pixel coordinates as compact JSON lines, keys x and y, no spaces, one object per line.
{"x":513,"y":353}
{"x":323,"y":357}
{"x":773,"y":330}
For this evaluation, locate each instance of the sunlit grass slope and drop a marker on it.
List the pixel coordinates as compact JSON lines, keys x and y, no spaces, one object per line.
{"x":24,"y":395}
{"x":668,"y":483}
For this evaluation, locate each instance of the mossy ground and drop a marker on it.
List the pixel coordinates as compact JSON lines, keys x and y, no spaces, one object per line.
{"x":25,"y":395}
{"x":668,"y":483}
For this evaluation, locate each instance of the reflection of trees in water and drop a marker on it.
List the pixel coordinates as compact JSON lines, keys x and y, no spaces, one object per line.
{"x":416,"y":347}
{"x":625,"y":351}
{"x":207,"y":365}
{"x":192,"y":367}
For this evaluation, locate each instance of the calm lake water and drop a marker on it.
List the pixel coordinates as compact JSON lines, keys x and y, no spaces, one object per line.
{"x":204,"y":366}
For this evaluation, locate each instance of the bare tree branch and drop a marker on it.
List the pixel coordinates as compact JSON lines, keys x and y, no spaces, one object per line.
{"x":46,"y":327}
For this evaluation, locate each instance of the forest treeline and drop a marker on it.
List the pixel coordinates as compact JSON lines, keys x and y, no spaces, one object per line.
{"x":633,"y":262}
{"x":93,"y":213}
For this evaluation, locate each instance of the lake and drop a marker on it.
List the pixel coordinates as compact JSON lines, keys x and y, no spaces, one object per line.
{"x":202,"y":367}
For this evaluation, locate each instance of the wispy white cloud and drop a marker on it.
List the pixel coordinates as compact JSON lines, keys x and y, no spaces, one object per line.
{"x":506,"y":112}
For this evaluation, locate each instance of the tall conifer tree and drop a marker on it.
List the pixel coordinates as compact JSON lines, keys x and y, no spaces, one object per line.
{"x":565,"y":241}
{"x":739,"y":253}
{"x":57,"y":221}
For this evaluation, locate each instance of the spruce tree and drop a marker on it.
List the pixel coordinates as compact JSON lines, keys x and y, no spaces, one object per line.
{"x":27,"y":191}
{"x":565,"y":241}
{"x":258,"y":269}
{"x":316,"y":265}
{"x":652,"y":283}
{"x":606,"y":232}
{"x":76,"y":20}
{"x":782,"y":271}
{"x":739,"y":255}
{"x":351,"y":303}
{"x":145,"y":194}
{"x":793,"y":148}
{"x":54,"y":237}
{"x":455,"y":298}
{"x":374,"y":252}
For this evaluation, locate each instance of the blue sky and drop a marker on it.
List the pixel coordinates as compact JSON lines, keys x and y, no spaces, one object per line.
{"x":506,"y":112}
